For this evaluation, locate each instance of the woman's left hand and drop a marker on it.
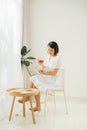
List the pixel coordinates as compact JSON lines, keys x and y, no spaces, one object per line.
{"x":41,"y":71}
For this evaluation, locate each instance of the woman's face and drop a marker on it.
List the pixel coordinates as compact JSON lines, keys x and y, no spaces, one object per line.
{"x":50,"y":51}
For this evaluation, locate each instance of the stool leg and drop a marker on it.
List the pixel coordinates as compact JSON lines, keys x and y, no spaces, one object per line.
{"x":32,"y":110}
{"x":23,"y":108}
{"x":12,"y":108}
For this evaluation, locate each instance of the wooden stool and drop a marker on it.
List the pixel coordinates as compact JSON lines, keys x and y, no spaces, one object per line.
{"x":22,"y":92}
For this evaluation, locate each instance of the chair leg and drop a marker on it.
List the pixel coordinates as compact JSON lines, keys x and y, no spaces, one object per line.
{"x":65,"y":103}
{"x":45,"y":103}
{"x":54,"y":99}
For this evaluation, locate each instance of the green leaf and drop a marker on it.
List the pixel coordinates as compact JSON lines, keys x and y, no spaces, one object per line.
{"x":22,"y":62}
{"x":26,"y":63}
{"x":31,"y":58}
{"x":23,"y":50}
{"x":27,"y":52}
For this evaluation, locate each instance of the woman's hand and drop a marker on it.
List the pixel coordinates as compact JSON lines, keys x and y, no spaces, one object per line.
{"x":41,"y":71}
{"x":40,"y":62}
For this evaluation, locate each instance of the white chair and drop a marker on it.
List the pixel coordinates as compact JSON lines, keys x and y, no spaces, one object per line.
{"x":56,"y":89}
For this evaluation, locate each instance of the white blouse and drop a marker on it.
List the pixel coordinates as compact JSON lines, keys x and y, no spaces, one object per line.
{"x":42,"y":82}
{"x":52,"y":63}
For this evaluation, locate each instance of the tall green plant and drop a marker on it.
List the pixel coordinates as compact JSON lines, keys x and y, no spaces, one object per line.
{"x":26,"y":60}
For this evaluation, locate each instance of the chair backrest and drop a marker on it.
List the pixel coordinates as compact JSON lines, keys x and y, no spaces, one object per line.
{"x":60,"y":78}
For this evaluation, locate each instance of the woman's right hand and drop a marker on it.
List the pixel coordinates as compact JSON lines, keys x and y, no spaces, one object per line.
{"x":40,"y":61}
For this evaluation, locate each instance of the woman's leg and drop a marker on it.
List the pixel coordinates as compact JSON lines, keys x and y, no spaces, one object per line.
{"x":38,"y":105}
{"x":26,"y":98}
{"x":37,"y":99}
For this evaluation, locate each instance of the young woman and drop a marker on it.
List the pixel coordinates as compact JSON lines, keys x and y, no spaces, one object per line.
{"x":47,"y":75}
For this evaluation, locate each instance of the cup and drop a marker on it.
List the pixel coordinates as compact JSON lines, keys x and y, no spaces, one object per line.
{"x":40,"y":61}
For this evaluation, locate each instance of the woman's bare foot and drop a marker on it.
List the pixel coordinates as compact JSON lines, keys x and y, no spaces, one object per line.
{"x":25,"y":99}
{"x":35,"y":109}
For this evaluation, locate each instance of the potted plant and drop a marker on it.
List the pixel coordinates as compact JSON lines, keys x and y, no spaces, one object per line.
{"x":25,"y":58}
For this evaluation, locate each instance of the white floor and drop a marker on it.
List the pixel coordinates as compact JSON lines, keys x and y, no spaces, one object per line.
{"x":55,"y":119}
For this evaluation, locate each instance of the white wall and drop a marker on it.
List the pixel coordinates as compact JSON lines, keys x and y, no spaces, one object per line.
{"x":26,"y":22}
{"x":66,"y":23}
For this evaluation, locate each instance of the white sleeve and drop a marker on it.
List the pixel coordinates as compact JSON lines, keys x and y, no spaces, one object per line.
{"x":57,"y":63}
